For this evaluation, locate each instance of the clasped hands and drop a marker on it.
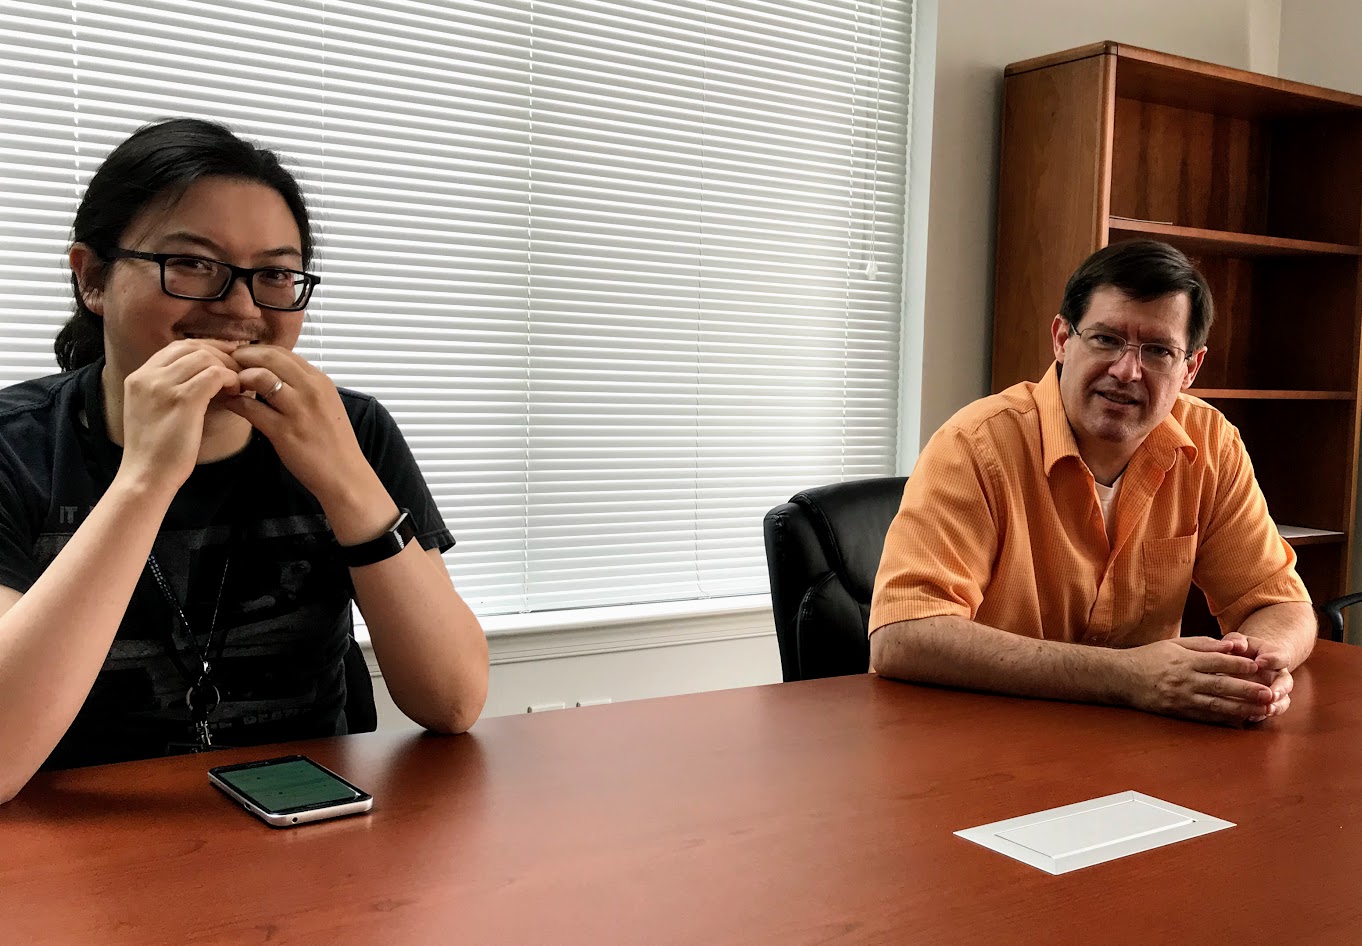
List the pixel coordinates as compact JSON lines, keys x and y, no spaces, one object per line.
{"x":1235,"y":680}
{"x":296,"y":406}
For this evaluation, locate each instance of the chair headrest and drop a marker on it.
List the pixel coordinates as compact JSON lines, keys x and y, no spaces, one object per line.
{"x":851,"y":520}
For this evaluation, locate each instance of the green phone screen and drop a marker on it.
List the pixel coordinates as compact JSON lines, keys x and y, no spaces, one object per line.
{"x":281,"y":786}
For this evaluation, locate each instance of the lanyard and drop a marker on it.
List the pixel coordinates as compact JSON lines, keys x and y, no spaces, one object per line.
{"x":202,"y":697}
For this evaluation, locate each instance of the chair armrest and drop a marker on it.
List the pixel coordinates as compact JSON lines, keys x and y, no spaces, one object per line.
{"x":1333,"y":610}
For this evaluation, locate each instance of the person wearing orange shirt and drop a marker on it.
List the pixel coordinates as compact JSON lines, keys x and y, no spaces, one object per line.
{"x":1049,"y":534}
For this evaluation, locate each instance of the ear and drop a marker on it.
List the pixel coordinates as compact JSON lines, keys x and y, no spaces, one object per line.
{"x":1194,"y":365}
{"x":90,"y":272}
{"x":1060,"y":332}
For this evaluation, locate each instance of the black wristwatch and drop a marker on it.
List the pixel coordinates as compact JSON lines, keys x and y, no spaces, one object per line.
{"x":399,"y":535}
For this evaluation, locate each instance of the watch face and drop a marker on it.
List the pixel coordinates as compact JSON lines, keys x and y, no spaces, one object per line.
{"x":404,"y":529}
{"x":398,"y":537}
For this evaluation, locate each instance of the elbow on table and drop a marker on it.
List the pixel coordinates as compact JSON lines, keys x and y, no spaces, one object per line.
{"x":457,"y":722}
{"x":877,"y":653}
{"x":889,"y":657}
{"x":896,"y":650}
{"x":14,"y":774}
{"x":10,"y":786}
{"x":458,"y":717}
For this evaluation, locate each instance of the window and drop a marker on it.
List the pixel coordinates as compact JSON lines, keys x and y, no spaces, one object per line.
{"x":627,"y":273}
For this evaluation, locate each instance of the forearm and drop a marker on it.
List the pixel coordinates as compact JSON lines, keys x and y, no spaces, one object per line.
{"x":1291,"y":625}
{"x":428,"y":642}
{"x":55,"y":638}
{"x":954,"y":651}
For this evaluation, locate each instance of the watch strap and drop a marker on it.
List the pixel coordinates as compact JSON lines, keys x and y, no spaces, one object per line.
{"x":397,"y":537}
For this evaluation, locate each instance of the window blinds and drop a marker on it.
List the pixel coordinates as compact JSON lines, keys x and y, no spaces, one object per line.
{"x":627,"y":273}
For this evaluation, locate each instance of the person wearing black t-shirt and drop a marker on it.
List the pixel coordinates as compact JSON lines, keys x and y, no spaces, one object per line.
{"x":188,"y":511}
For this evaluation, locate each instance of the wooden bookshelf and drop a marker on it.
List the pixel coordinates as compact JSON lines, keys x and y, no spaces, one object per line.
{"x":1254,"y":177}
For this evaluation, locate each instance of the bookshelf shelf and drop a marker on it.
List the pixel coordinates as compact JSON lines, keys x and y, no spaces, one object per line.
{"x":1194,"y":240}
{"x":1260,"y":394}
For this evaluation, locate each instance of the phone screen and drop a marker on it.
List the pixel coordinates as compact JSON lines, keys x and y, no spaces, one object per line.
{"x":288,"y":785}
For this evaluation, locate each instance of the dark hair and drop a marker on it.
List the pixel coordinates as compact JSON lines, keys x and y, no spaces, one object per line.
{"x":159,"y":162}
{"x":1144,"y":270}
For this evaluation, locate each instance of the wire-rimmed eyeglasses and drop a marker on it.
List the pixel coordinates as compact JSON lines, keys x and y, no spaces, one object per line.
{"x":1154,"y":356}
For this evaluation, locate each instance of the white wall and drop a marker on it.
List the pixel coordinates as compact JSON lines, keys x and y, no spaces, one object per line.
{"x":1321,"y":43}
{"x":609,"y":658}
{"x":975,"y":40}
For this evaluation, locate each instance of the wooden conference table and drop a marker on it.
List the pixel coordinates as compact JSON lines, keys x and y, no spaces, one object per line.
{"x":816,"y":812}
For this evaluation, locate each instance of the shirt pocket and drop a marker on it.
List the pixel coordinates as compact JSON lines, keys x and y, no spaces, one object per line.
{"x":1168,"y":565}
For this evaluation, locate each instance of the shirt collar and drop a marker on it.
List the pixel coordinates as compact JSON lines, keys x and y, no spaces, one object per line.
{"x":1057,"y":437}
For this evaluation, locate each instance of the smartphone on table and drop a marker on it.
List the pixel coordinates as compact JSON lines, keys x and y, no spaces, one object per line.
{"x":289,"y":790}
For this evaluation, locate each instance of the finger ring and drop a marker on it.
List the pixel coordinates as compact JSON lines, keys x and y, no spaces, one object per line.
{"x":279,"y":383}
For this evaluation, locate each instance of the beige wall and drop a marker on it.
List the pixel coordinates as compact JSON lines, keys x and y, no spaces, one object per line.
{"x":1321,"y":43}
{"x":975,"y":40}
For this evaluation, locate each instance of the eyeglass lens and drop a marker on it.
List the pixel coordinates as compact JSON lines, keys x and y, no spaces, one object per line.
{"x":205,"y":279}
{"x":1156,"y":358}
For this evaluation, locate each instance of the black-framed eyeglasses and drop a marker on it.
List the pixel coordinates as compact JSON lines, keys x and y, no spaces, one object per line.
{"x":1109,"y":347}
{"x":199,"y":277}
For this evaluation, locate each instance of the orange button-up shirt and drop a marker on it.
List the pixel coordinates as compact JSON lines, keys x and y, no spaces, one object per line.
{"x":1000,"y":523}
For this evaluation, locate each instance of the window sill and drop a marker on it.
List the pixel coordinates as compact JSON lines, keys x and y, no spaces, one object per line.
{"x":549,"y":635}
{"x":538,"y":622}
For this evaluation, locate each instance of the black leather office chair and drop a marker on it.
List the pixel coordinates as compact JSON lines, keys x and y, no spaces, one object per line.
{"x":361,"y":715}
{"x":1333,"y":613}
{"x":822,"y":550}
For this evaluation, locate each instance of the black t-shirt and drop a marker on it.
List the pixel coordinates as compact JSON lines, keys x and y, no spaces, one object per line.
{"x":284,"y":621}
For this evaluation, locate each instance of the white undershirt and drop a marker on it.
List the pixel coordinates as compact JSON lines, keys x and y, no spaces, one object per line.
{"x":1106,"y":498}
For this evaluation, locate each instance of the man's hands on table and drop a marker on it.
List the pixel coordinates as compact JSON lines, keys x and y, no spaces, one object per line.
{"x":1274,"y":670}
{"x":1232,"y":681}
